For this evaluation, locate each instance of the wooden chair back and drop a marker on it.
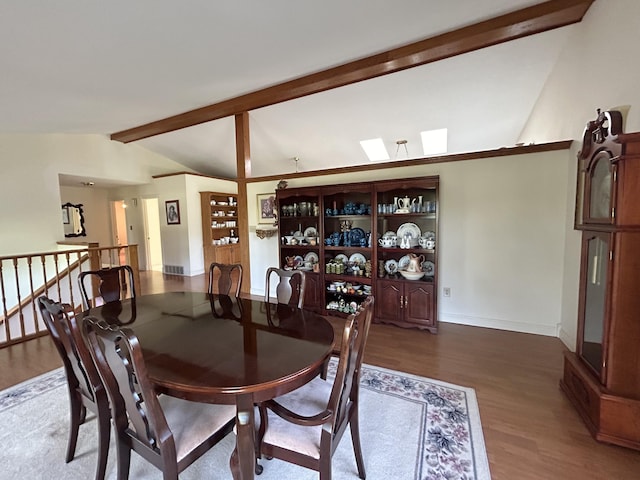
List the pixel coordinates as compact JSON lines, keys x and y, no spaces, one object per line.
{"x":138,"y":414}
{"x":290,"y":287}
{"x":113,"y":284}
{"x":86,"y":389}
{"x":225,"y":306}
{"x":341,"y":407}
{"x":134,"y":404}
{"x":227,"y":275}
{"x":347,"y":380}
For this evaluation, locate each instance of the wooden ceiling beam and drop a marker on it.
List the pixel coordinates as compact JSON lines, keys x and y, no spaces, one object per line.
{"x":521,"y":23}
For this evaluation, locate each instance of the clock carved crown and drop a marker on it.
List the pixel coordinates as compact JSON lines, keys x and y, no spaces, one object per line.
{"x":601,"y":133}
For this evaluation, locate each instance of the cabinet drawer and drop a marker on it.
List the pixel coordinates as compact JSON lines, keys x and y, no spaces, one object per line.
{"x":582,"y":391}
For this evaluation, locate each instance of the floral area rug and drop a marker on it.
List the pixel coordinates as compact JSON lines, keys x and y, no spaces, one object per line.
{"x":411,"y":428}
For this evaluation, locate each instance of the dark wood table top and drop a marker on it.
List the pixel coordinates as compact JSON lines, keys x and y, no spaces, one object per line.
{"x":212,"y":348}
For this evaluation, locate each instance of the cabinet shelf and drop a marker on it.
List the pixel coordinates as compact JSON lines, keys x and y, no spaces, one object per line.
{"x":308,"y":218}
{"x":348,"y":296}
{"x":427,"y":216}
{"x":331,"y":277}
{"x":347,"y":217}
{"x":346,"y":249}
{"x":394,"y":250}
{"x":396,"y":277}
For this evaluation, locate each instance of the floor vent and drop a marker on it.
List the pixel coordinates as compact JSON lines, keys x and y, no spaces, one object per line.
{"x":174,"y":269}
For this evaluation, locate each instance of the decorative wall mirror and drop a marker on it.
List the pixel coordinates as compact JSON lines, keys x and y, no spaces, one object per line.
{"x":73,"y":220}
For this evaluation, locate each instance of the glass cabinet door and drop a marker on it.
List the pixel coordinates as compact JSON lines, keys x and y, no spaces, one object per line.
{"x":595,"y":299}
{"x":600,"y":188}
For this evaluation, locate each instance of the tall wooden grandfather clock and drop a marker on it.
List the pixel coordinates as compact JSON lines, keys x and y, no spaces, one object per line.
{"x":602,"y":378}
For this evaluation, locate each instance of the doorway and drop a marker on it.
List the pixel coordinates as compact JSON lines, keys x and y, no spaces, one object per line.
{"x":119,"y":227}
{"x":119,"y":222}
{"x":152,"y":238}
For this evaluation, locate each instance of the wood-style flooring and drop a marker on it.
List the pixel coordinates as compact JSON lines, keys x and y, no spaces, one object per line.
{"x":531,"y":431}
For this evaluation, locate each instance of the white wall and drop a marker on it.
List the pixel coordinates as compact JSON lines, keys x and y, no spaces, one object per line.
{"x":29,"y":181}
{"x":502,"y":237}
{"x":597,"y":69}
{"x":95,"y":205}
{"x":181,"y":244}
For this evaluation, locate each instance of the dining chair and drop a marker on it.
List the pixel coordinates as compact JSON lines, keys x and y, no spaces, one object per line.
{"x":169,"y":432}
{"x":86,"y":390}
{"x":225,"y":275}
{"x":113,"y":284}
{"x":290,"y":287}
{"x":305,"y":426}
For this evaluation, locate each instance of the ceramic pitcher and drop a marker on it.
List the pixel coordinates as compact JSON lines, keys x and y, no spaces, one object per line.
{"x":415,"y":263}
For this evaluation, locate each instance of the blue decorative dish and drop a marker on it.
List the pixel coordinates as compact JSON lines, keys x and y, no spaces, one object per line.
{"x":356,"y":235}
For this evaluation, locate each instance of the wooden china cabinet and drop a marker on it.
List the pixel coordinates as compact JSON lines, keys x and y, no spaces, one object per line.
{"x":298,"y":213}
{"x":219,"y":226}
{"x":602,"y":378}
{"x":334,"y":233}
{"x":402,"y":302}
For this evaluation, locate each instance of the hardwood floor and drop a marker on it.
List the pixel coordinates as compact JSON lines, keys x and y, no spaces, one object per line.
{"x":531,"y":431}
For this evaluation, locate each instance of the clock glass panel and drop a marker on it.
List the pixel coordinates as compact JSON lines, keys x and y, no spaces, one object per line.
{"x":600,"y":201}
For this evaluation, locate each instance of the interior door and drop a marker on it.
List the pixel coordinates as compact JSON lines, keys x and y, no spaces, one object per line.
{"x":152,"y":239}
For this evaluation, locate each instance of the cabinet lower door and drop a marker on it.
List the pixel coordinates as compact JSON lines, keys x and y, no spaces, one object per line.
{"x":313,"y":292}
{"x":389,"y":302}
{"x":419,"y":304}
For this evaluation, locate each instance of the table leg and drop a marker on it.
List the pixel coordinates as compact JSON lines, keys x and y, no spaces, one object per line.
{"x":243,"y":459}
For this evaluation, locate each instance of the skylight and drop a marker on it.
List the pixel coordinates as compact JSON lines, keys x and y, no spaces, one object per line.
{"x":375,"y":149}
{"x":434,"y":142}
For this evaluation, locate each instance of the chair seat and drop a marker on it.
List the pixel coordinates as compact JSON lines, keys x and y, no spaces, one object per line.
{"x":308,"y":400}
{"x":192,"y":422}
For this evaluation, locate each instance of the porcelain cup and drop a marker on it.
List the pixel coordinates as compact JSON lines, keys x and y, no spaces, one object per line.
{"x":386,"y":242}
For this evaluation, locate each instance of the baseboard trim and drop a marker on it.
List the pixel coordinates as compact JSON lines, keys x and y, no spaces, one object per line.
{"x":538,"y":329}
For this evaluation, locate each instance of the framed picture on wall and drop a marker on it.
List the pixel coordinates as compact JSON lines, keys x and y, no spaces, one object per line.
{"x":172,"y":208}
{"x":266,"y":207}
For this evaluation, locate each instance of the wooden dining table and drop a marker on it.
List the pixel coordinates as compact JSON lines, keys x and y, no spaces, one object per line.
{"x":220,"y":349}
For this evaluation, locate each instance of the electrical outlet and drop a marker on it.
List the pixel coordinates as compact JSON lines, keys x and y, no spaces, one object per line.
{"x":446,"y":292}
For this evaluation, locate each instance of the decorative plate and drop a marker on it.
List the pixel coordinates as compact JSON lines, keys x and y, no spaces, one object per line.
{"x":311,"y":257}
{"x":341,"y":257}
{"x":391,"y":266}
{"x":298,"y":262}
{"x":389,"y":234}
{"x":358,"y":258}
{"x":356,"y":235}
{"x":411,"y":230}
{"x":428,"y":268}
{"x":310,"y":232}
{"x":403,"y":263}
{"x":298,"y":234}
{"x":429,"y":235}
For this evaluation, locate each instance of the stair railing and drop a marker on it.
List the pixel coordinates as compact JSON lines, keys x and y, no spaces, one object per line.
{"x":23,"y":278}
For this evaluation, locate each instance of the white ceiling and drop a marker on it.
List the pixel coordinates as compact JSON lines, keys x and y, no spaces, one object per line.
{"x":90,"y":66}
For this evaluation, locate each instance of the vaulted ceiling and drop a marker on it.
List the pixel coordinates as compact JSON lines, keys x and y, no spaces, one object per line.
{"x":106,"y":67}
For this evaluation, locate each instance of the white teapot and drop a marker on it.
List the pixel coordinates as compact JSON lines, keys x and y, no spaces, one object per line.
{"x":386,"y":242}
